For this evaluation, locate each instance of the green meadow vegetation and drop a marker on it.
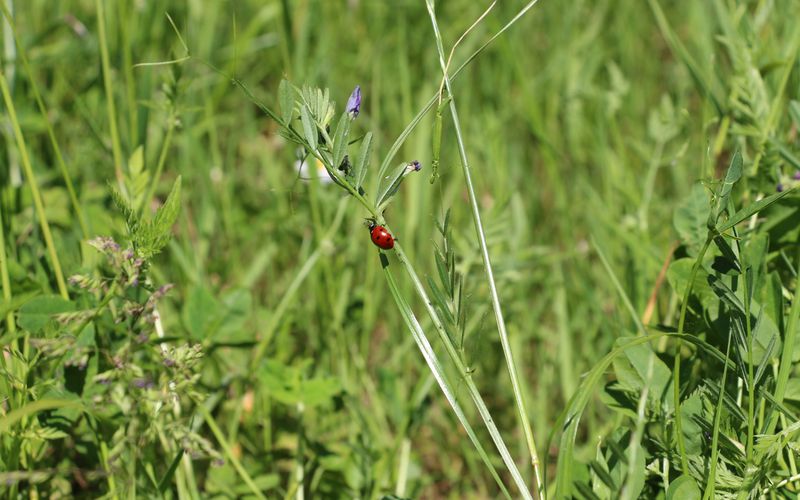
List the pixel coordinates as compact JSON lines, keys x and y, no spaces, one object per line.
{"x":592,"y":292}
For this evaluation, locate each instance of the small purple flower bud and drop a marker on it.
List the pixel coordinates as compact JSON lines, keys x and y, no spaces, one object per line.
{"x":417,"y":165}
{"x":141,"y":383}
{"x":129,"y":254}
{"x":169,"y":362}
{"x":779,"y":188}
{"x":354,"y":102}
{"x":796,"y":176}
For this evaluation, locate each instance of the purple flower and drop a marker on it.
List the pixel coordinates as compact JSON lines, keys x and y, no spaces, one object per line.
{"x":417,"y":166}
{"x":779,"y":188}
{"x":796,"y":176}
{"x":143,"y":383}
{"x":354,"y":102}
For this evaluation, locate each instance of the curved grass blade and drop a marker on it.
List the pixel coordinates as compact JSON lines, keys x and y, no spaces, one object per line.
{"x":437,"y":370}
{"x":570,"y":418}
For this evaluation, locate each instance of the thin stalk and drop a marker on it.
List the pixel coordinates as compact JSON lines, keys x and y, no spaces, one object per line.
{"x":112,"y":484}
{"x":751,"y":397}
{"x":435,"y":98}
{"x":277,"y":315}
{"x":402,"y":468}
{"x":116,"y":149}
{"x":463,"y":371}
{"x":438,"y":373}
{"x":223,"y":443}
{"x":62,"y":166}
{"x":676,"y":371}
{"x":788,"y":351}
{"x":476,"y":216}
{"x":162,"y":158}
{"x":37,"y":197}
{"x":711,"y":482}
{"x":12,"y":327}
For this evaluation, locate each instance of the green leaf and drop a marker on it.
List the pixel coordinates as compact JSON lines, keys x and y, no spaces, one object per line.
{"x":124,"y":206}
{"x":731,"y":177}
{"x":200,"y":312}
{"x":38,"y":312}
{"x":678,"y":276}
{"x":391,"y":187}
{"x":288,"y":385}
{"x":691,"y":219}
{"x":136,"y":161}
{"x":168,"y":212}
{"x":309,"y":127}
{"x":792,"y":389}
{"x":165,"y":480}
{"x":660,"y":379}
{"x":237,"y":306}
{"x":363,"y":159}
{"x":150,"y":238}
{"x":692,"y":412}
{"x":340,"y":139}
{"x":17,"y":301}
{"x":286,"y":97}
{"x":683,"y":488}
{"x":569,"y":419}
{"x":752,"y":209}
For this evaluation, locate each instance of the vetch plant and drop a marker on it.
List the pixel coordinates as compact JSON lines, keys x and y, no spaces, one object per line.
{"x":306,"y":118}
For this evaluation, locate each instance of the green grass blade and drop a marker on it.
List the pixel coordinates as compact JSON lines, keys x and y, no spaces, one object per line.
{"x":165,"y":480}
{"x":519,"y":400}
{"x":34,"y":187}
{"x":62,"y":166}
{"x":8,"y":420}
{"x":452,"y":352}
{"x":226,"y":447}
{"x":437,"y":370}
{"x":116,"y":148}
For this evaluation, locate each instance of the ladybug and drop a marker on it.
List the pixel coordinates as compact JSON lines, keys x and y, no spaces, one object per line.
{"x":380,"y":236}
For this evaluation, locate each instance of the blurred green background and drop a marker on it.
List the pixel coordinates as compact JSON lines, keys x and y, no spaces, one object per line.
{"x":580,"y":123}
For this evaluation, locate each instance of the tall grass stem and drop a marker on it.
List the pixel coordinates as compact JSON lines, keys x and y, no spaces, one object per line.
{"x":476,"y":216}
{"x":37,"y":197}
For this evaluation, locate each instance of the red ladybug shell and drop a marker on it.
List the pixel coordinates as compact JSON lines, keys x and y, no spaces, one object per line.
{"x":381,"y":237}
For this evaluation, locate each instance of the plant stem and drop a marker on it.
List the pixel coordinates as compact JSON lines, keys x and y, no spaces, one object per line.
{"x":12,"y":326}
{"x":788,"y":351}
{"x":223,"y":443}
{"x":37,"y":197}
{"x":463,"y":371}
{"x":476,"y":216}
{"x":62,"y":166}
{"x":116,"y":149}
{"x":676,"y":371}
{"x":162,"y":158}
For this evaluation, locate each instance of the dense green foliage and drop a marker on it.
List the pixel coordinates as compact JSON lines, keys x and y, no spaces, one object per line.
{"x":188,"y":313}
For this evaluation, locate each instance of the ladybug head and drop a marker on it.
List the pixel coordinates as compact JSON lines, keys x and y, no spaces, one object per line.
{"x":371,"y":223}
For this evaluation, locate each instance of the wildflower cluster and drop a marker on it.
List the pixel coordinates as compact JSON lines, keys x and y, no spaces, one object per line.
{"x":306,"y":118}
